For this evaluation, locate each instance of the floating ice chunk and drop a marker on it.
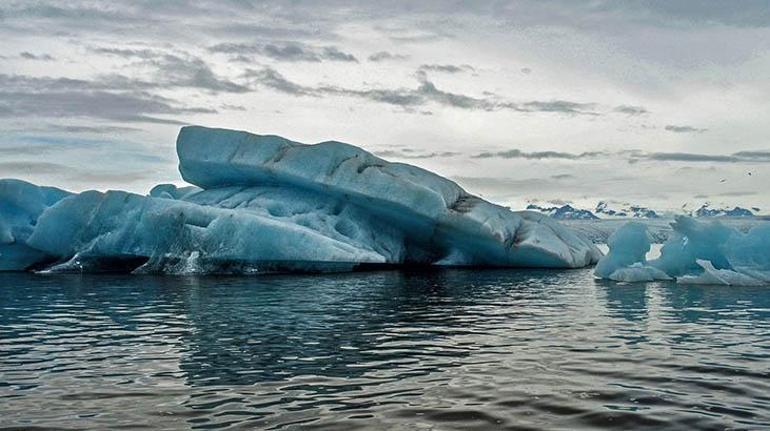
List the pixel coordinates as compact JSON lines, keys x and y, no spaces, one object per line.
{"x":698,"y":253}
{"x":711,"y":275}
{"x":628,"y":245}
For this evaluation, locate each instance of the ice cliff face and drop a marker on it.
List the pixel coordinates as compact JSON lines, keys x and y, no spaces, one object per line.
{"x":21,"y":204}
{"x":265,"y":203}
{"x":699,"y":253}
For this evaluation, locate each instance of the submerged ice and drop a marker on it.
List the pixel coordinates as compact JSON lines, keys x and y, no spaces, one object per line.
{"x":699,"y":253}
{"x":264,"y":203}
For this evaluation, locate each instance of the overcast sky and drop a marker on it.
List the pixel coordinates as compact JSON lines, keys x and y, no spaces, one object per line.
{"x":653,"y":103}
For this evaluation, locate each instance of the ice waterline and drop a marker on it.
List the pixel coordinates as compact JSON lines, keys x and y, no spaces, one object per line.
{"x":264,"y":203}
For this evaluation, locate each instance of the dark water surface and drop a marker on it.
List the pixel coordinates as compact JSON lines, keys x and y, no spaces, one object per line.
{"x":452,"y":349}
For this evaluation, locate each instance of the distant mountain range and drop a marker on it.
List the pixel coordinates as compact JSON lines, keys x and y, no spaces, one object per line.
{"x":632,"y":211}
{"x":565,"y":212}
{"x":706,"y":211}
{"x":603,"y":210}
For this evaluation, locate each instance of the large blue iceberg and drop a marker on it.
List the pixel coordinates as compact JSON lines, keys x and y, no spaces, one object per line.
{"x":698,"y":253}
{"x":264,"y":203}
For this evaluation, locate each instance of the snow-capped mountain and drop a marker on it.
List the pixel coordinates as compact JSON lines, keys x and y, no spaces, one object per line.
{"x":617,"y":210}
{"x":625,"y":210}
{"x":706,"y":211}
{"x":564,"y":212}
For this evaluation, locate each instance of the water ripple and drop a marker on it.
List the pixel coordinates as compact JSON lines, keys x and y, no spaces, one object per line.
{"x":388,"y":350}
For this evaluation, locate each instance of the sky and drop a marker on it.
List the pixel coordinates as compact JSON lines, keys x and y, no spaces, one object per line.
{"x":660,"y":104}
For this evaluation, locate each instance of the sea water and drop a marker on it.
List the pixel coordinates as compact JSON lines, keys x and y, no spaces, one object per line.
{"x":390,"y":350}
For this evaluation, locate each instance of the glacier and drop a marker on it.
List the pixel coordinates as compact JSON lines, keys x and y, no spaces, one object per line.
{"x":699,"y":252}
{"x":263,"y":203}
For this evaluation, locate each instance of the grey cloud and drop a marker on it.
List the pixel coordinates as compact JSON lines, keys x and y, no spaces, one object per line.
{"x":385,"y":55}
{"x":447,"y":68}
{"x":251,"y":31}
{"x":428,"y":90}
{"x":756,"y":155}
{"x":143,"y":53}
{"x":739,"y":157}
{"x":172,"y":20}
{"x":170,"y":70}
{"x":333,"y":53}
{"x":690,"y":157}
{"x":633,"y":156}
{"x":229,"y":107}
{"x":751,"y":13}
{"x":286,"y":51}
{"x":75,"y":129}
{"x":317,"y":19}
{"x":22,"y":96}
{"x":26,"y":168}
{"x":15,"y":168}
{"x":560,"y":106}
{"x":408,"y":154}
{"x":240,"y":58}
{"x":562,"y":176}
{"x":30,"y":56}
{"x":400,"y":97}
{"x":289,"y":52}
{"x":631,"y":110}
{"x":80,"y":13}
{"x":192,"y":72}
{"x":684,"y":129}
{"x":272,"y":79}
{"x":538,"y":155}
{"x":425,"y":93}
{"x":97,"y":104}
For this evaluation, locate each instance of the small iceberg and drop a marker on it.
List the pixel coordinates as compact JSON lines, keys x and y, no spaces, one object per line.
{"x":699,"y":252}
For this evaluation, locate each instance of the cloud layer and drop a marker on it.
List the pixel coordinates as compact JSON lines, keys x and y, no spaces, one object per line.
{"x":588,"y":99}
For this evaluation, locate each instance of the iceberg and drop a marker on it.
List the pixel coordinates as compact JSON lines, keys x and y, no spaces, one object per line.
{"x":626,"y":260}
{"x":699,"y":252}
{"x":264,"y":203}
